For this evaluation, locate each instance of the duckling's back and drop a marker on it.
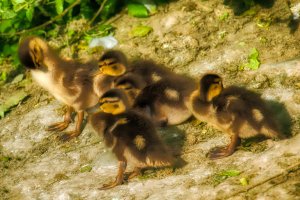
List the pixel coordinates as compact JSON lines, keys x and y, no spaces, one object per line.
{"x":250,"y":114}
{"x":142,"y":145}
{"x":149,"y":70}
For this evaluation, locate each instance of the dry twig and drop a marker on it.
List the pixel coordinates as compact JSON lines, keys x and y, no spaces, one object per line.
{"x":98,"y":12}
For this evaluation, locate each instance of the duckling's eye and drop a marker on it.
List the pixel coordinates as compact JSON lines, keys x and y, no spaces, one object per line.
{"x":116,"y":106}
{"x":115,"y":67}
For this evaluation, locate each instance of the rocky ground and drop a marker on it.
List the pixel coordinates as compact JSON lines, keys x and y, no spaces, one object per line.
{"x":190,"y":37}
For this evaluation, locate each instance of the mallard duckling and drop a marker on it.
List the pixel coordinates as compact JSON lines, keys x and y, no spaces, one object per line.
{"x":69,"y":81}
{"x":130,"y":134}
{"x":166,"y":100}
{"x":115,"y":63}
{"x":111,"y":65}
{"x":234,"y":110}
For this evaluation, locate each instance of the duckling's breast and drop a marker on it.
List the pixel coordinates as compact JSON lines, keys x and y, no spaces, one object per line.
{"x":47,"y":81}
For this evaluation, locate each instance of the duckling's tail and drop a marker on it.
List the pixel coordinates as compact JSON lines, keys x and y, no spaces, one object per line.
{"x":159,"y":156}
{"x":271,"y":133}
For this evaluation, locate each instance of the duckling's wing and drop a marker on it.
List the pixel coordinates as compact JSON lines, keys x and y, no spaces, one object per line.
{"x":142,"y":142}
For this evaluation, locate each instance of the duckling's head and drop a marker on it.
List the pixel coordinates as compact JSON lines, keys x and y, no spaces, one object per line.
{"x":131,"y":84}
{"x":31,"y":52}
{"x":112,"y":63}
{"x":114,"y":102}
{"x":129,"y":81}
{"x":210,"y":86}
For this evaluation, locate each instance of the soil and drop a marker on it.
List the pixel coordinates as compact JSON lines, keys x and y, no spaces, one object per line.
{"x":190,"y":37}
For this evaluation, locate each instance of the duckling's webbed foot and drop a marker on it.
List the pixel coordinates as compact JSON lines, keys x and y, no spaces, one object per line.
{"x":219,"y":152}
{"x":119,"y":179}
{"x":69,"y":135}
{"x":72,"y":134}
{"x":60,"y":126}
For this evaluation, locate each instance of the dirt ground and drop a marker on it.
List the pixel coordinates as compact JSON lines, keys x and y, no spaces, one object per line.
{"x":190,"y":37}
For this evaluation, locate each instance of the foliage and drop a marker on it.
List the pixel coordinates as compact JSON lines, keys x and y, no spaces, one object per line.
{"x":137,"y":10}
{"x":86,"y":168}
{"x":244,"y":181}
{"x":223,"y":175}
{"x":141,"y":31}
{"x":253,"y":62}
{"x":19,"y":15}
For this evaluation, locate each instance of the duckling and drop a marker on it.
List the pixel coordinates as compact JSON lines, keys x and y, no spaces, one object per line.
{"x":111,"y":65}
{"x":234,"y":110}
{"x":166,"y":100}
{"x":69,"y":81}
{"x":131,"y":135}
{"x":115,"y":63}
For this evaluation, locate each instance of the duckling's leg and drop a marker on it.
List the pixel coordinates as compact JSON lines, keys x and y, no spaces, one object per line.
{"x":130,"y":175}
{"x":119,"y":179}
{"x":225,"y":151}
{"x":60,"y":126}
{"x":71,"y":134}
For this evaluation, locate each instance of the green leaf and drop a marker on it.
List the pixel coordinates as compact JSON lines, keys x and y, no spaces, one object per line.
{"x":141,"y":31}
{"x":19,"y":5}
{"x":6,"y":158}
{"x":5,"y":25}
{"x":7,"y":14}
{"x":224,"y":16}
{"x":29,"y":13}
{"x":244,"y":181}
{"x":3,"y":76}
{"x":12,"y":101}
{"x":230,"y":173}
{"x":59,"y":5}
{"x":106,"y":29}
{"x":149,"y":4}
{"x":16,"y":2}
{"x":137,"y":10}
{"x":264,"y":23}
{"x":8,"y":50}
{"x":86,"y":168}
{"x":253,"y":62}
{"x":223,"y":175}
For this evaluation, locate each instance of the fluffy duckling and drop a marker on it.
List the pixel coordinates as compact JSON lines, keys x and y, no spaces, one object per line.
{"x":234,"y":110}
{"x":130,"y":134}
{"x":110,"y":66}
{"x":70,"y":82}
{"x":115,"y":63}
